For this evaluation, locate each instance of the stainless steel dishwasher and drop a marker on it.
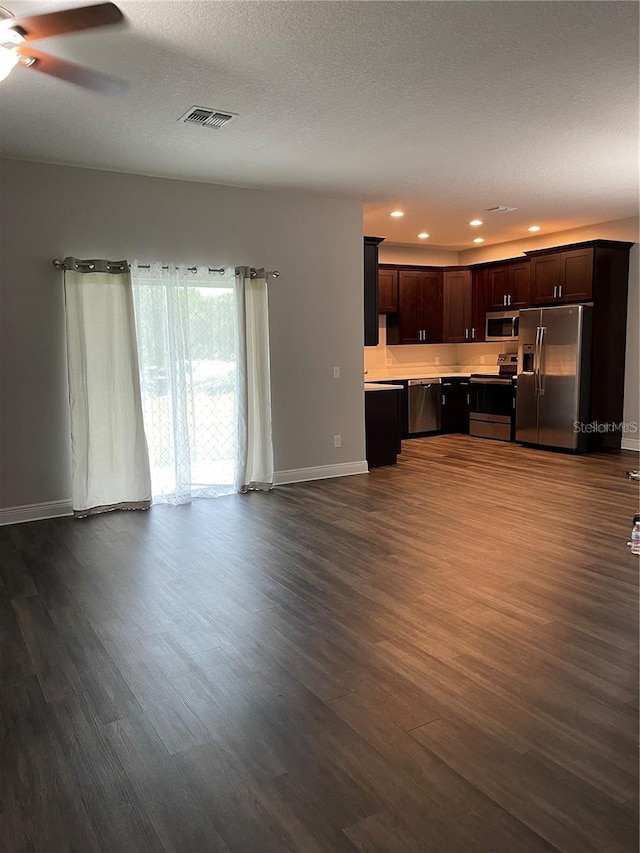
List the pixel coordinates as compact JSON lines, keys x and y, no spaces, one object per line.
{"x":424,"y":405}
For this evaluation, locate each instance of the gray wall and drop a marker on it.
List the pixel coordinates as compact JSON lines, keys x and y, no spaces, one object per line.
{"x":315,"y":306}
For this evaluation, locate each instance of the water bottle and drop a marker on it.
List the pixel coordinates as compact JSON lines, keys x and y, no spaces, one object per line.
{"x":635,"y":535}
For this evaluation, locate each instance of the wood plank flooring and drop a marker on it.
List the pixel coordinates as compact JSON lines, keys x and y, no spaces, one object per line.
{"x":438,"y":657}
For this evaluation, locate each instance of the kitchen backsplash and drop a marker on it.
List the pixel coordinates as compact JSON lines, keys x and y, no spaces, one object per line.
{"x":459,"y":356}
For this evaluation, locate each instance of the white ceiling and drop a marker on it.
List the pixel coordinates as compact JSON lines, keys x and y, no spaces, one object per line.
{"x":441,"y":109}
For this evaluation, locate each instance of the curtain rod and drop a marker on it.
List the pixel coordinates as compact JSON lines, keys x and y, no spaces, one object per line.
{"x":118,"y":265}
{"x":60,"y":265}
{"x":253,"y":272}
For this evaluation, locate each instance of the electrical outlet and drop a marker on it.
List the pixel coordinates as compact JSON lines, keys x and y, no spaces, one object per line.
{"x":337,"y":441}
{"x":437,"y":359}
{"x":336,"y":373}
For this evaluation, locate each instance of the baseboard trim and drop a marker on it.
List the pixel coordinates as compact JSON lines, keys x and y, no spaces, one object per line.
{"x":58,"y":509}
{"x":319,"y":472}
{"x":631,"y":444}
{"x":35,"y":512}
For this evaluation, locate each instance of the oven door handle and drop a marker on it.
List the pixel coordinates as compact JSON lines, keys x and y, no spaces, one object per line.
{"x":496,"y":381}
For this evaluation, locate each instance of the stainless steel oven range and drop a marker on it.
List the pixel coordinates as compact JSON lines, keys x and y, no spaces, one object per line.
{"x":492,"y":400}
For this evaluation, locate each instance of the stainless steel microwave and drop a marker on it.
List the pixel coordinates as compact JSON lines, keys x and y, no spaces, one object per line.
{"x":502,"y":326}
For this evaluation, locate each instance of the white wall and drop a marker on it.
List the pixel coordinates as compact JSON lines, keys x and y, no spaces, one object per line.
{"x":625,"y":230}
{"x":392,"y":253}
{"x":316,"y":304}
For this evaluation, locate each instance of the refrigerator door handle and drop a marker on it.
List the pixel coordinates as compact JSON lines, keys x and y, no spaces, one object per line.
{"x":536,"y":366}
{"x":539,"y":363}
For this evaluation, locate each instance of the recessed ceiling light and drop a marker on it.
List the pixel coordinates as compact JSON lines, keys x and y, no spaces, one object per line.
{"x":475,"y":222}
{"x":396,"y":213}
{"x":534,"y":228}
{"x":478,"y":239}
{"x":423,"y":235}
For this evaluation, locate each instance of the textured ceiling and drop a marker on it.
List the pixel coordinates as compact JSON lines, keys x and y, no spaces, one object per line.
{"x":442,"y":109}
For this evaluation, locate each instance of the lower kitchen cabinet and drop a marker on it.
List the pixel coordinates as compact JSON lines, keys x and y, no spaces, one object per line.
{"x":382,"y":426}
{"x":455,"y":405}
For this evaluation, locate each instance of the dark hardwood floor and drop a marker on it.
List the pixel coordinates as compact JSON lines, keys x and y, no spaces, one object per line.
{"x":435,"y":657}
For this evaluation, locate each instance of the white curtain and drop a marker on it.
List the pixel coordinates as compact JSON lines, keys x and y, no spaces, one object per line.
{"x":187,"y":339}
{"x":255,"y":446}
{"x":110,"y":463}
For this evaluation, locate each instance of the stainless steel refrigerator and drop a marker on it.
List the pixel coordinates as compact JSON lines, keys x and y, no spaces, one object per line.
{"x":554,"y":374}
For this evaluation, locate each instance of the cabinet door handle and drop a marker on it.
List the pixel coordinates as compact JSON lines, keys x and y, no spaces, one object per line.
{"x":504,"y":300}
{"x":443,"y":400}
{"x":424,"y":335}
{"x":555,"y":291}
{"x":560,"y":291}
{"x":473,"y":334}
{"x":510,"y":299}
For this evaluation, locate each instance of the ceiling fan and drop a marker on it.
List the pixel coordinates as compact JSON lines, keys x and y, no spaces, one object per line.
{"x":17,"y":33}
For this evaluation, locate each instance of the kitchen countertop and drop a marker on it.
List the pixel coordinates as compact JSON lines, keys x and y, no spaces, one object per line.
{"x":428,"y":373}
{"x":368,"y":386}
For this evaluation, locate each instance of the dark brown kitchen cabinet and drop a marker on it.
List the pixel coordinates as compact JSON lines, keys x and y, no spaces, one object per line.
{"x":382,"y":427}
{"x":562,"y":277}
{"x":509,"y":286}
{"x":454,"y":405}
{"x":371,"y":290}
{"x":457,"y":311}
{"x":577,"y":275}
{"x":387,"y":291}
{"x":480,"y":281}
{"x":419,"y":316}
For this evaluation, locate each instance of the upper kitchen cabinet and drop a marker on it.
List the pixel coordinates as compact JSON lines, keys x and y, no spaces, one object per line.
{"x":509,"y":285}
{"x":457,"y":326}
{"x":562,"y":276}
{"x":387,"y":291}
{"x":480,"y":282}
{"x":419,"y":316}
{"x":371,"y":290}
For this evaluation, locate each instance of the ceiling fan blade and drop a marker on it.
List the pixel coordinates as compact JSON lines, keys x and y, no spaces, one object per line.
{"x":70,"y":72}
{"x":67,"y":21}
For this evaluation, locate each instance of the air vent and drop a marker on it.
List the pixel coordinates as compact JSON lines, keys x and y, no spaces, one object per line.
{"x":500,"y":208}
{"x":206,"y":117}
